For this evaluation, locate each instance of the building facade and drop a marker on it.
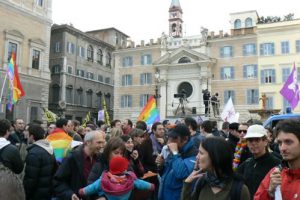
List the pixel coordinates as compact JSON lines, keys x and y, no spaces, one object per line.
{"x":81,"y":72}
{"x":25,"y":29}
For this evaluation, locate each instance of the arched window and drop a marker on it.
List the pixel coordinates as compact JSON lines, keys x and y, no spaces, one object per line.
{"x":55,"y":93}
{"x":237,"y":24}
{"x":89,"y":98}
{"x":108,"y":59}
{"x":184,"y":60}
{"x":90,"y":53}
{"x":100,"y":57}
{"x":248,"y":22}
{"x":173,"y":27}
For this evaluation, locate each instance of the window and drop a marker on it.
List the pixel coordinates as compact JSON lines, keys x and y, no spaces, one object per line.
{"x":70,"y":70}
{"x":90,"y":75}
{"x":70,"y":48}
{"x":127,"y":61}
{"x":269,"y":103}
{"x":107,"y":98}
{"x":297,"y":46}
{"x":108,"y":59}
{"x":79,"y":97}
{"x":99,"y":100}
{"x":249,"y":49}
{"x":227,"y":73}
{"x":90,"y":53}
{"x":267,"y":49}
{"x":144,"y":99}
{"x":81,"y":52}
{"x":268,"y":76}
{"x":100,"y":56}
{"x":36,"y":59}
{"x":57,"y":47}
{"x":89,"y":98}
{"x":55,"y":93}
{"x":40,"y":2}
{"x":285,"y":47}
{"x":252,"y":96}
{"x":285,"y":74}
{"x":248,"y":22}
{"x":126,"y":80}
{"x":228,"y":94}
{"x":237,"y":24}
{"x":33,"y":113}
{"x":100,"y":78}
{"x":146,"y":79}
{"x":184,"y":60}
{"x":226,"y":52}
{"x":250,"y":71}
{"x":12,"y":47}
{"x":69,"y":94}
{"x":146,"y":59}
{"x":80,"y":72}
{"x":56,"y":69}
{"x":107,"y":80}
{"x":126,"y":101}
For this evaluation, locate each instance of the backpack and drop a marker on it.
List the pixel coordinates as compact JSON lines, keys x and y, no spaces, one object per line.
{"x":235,"y":191}
{"x":1,"y":150}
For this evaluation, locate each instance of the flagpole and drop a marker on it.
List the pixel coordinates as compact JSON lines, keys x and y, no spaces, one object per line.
{"x":2,"y":89}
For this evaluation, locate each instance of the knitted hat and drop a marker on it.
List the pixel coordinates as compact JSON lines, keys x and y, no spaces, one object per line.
{"x":118,"y":165}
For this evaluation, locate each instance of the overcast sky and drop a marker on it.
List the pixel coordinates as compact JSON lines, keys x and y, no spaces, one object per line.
{"x":146,"y":19}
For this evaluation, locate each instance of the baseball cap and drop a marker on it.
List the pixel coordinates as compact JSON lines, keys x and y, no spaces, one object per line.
{"x":256,"y":131}
{"x":180,"y":130}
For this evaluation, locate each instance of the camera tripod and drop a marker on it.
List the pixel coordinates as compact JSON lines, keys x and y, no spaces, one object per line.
{"x":180,"y":106}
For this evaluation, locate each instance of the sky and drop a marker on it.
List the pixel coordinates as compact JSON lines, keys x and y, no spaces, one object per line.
{"x":147,"y":19}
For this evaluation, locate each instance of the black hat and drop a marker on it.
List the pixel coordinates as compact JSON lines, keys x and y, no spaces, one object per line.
{"x":180,"y":130}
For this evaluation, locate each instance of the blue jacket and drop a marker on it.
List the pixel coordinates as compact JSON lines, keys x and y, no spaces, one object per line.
{"x":176,"y":169}
{"x":95,"y":188}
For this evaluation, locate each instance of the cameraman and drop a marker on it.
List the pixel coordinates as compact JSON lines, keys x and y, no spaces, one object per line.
{"x":206,"y":98}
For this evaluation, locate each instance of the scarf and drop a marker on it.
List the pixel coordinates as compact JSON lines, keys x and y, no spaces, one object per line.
{"x":238,"y":153}
{"x":213,"y":181}
{"x":157,"y":147}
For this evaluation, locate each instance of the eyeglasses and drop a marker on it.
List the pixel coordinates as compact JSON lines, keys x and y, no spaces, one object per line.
{"x":242,"y":131}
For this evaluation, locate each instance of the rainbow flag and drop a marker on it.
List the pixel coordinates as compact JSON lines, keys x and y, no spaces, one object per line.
{"x":150,"y":114}
{"x":61,"y":143}
{"x":15,"y":88}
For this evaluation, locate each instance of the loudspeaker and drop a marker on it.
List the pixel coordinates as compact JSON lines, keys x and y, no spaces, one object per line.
{"x":194,"y":111}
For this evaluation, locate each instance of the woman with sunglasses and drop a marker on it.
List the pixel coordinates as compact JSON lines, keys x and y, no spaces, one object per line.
{"x":214,"y":177}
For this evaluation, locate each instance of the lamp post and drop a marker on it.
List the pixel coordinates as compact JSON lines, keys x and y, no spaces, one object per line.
{"x":157,"y":80}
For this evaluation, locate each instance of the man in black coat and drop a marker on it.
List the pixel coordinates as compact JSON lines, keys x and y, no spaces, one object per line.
{"x":206,"y":98}
{"x":40,"y":166}
{"x":72,"y":174}
{"x":9,"y":154}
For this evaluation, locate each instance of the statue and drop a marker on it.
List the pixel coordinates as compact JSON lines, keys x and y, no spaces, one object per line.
{"x":164,"y":40}
{"x":264,"y":100}
{"x":204,"y":33}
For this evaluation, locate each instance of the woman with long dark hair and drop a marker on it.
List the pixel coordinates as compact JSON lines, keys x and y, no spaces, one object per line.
{"x":214,"y":175}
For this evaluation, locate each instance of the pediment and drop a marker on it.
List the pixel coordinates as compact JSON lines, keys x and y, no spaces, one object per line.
{"x":179,"y":54}
{"x":15,"y":33}
{"x":38,"y":41}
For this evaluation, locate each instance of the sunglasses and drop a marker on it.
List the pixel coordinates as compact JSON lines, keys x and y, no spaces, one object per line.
{"x":242,"y":131}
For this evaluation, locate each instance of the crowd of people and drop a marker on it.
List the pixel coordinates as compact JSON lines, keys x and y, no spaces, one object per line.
{"x":166,"y":161}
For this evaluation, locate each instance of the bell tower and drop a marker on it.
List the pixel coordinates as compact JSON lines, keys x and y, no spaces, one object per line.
{"x":175,"y":19}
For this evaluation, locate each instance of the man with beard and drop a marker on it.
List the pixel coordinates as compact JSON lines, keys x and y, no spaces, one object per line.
{"x":288,"y":177}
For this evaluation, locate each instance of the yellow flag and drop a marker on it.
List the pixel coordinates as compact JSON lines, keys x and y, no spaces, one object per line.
{"x":106,"y":115}
{"x":50,"y":116}
{"x":86,"y":119}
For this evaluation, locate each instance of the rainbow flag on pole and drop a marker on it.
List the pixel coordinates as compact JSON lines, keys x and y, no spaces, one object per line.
{"x":150,"y":114}
{"x":15,"y":88}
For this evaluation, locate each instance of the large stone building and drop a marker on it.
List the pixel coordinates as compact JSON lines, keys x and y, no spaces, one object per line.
{"x":25,"y":28}
{"x":223,"y":63}
{"x":82,"y":70}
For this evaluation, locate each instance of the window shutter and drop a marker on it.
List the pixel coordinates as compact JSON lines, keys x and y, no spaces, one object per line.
{"x":231,"y":51}
{"x":261,"y":46}
{"x":150,"y":59}
{"x":222,"y":52}
{"x":141,"y":100}
{"x":254,"y":49}
{"x":130,"y":61}
{"x":262,"y":76}
{"x":232,"y":72}
{"x":255,"y":71}
{"x":149,"y":78}
{"x":233,"y":96}
{"x":273,"y":76}
{"x":130,"y":79}
{"x":123,"y":80}
{"x":130,"y":101}
{"x":256,"y":93}
{"x":225,"y":96}
{"x":142,"y":60}
{"x":124,"y":62}
{"x":245,"y":71}
{"x":142,"y":77}
{"x":245,"y":50}
{"x":272,"y":48}
{"x":222,"y":73}
{"x":248,"y":96}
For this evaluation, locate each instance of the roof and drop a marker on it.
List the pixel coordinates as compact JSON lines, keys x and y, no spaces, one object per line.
{"x":107,"y":29}
{"x":279,"y":117}
{"x":175,"y":3}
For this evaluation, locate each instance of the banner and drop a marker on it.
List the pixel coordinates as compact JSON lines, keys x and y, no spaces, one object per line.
{"x":50,"y":116}
{"x":229,"y":114}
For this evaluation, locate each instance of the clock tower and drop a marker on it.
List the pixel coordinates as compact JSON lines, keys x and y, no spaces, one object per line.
{"x":175,"y":19}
